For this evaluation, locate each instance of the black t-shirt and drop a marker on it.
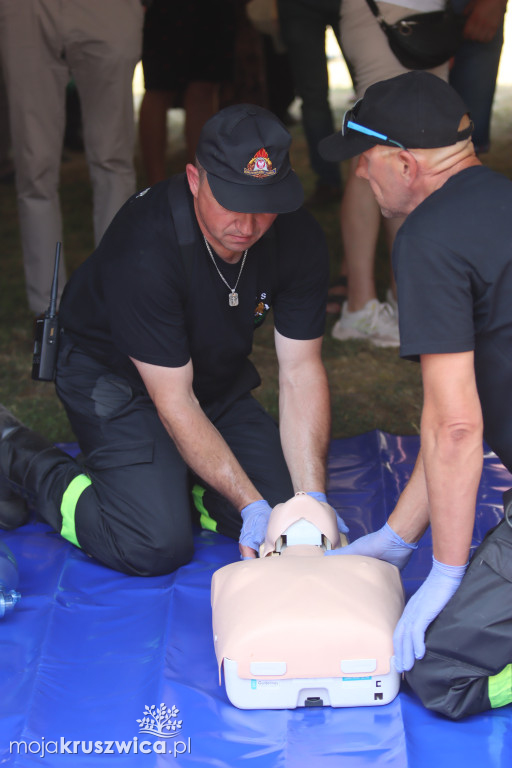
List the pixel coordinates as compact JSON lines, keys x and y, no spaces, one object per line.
{"x":140,"y":295}
{"x":452,"y":260}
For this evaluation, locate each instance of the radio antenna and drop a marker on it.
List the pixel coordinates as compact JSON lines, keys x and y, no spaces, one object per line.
{"x":52,"y":309}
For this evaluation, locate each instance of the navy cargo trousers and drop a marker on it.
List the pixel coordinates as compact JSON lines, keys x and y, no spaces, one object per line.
{"x":127,"y":501}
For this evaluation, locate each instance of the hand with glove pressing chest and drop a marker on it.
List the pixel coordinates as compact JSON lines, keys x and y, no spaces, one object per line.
{"x":383,"y":544}
{"x":255,"y":518}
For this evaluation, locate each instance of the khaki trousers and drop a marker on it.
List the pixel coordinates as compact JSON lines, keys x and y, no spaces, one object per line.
{"x":43,"y":43}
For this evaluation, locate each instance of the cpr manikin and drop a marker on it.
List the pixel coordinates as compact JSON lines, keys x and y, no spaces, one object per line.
{"x":295,"y":628}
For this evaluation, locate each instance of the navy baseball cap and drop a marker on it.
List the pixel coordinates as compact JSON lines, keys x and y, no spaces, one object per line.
{"x":416,"y":110}
{"x":244,"y":151}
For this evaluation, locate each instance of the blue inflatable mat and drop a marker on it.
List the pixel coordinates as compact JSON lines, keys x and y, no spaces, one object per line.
{"x":98,"y":668}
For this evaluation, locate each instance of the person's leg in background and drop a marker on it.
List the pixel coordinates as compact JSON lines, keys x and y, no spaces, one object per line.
{"x":303,"y":24}
{"x":363,"y":316}
{"x":278,"y":78}
{"x":153,"y":133}
{"x":201,"y":101}
{"x":73,"y":135}
{"x":6,"y":164}
{"x":360,"y":222}
{"x":159,"y":88}
{"x":102,"y":49}
{"x":188,"y":51}
{"x":473,"y":75}
{"x":35,"y":77}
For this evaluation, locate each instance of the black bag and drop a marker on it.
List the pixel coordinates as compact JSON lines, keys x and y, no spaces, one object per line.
{"x":467,"y":667}
{"x":423,"y":40}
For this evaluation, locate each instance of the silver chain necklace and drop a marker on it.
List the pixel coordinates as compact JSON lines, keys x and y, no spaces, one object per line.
{"x":233,"y":295}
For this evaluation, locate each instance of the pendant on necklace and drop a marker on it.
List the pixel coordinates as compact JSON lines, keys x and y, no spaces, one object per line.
{"x":233,"y":299}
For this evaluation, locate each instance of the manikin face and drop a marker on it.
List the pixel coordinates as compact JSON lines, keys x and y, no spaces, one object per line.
{"x":380,"y":166}
{"x":229,"y":233}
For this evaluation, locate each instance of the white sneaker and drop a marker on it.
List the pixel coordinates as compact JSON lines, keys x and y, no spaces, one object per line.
{"x":376,"y":322}
{"x":390,"y":299}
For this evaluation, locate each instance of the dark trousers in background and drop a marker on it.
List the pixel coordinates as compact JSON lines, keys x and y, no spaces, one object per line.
{"x":473,"y":75}
{"x":303,"y":24}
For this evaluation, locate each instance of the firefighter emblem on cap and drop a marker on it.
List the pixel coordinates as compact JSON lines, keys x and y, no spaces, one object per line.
{"x":260,"y":166}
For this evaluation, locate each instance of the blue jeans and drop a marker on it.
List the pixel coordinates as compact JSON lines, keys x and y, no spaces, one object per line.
{"x":473,"y":76}
{"x":303,"y":24}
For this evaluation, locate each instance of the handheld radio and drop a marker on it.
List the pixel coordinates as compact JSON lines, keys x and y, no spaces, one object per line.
{"x":46,"y":333}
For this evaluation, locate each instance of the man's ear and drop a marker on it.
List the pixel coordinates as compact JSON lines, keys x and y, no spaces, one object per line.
{"x":408,"y":166}
{"x":192,"y":178}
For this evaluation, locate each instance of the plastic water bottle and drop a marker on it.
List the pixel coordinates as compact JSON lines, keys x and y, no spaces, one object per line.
{"x":8,"y":580}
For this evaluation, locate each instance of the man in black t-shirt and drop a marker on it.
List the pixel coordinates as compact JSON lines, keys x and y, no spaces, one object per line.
{"x":453,"y":266}
{"x":153,"y":369}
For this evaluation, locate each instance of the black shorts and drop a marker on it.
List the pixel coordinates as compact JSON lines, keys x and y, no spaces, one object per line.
{"x":187,"y":41}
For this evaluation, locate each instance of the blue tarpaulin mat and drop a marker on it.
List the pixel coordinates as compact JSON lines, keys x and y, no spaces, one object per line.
{"x":99,"y":668}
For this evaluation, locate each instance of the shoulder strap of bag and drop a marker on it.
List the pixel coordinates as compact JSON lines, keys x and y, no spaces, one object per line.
{"x":374,"y":8}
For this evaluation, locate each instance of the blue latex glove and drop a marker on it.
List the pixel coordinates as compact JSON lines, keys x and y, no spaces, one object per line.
{"x":342,"y":526}
{"x":255,"y":517}
{"x":383,"y":544}
{"x":421,"y":610}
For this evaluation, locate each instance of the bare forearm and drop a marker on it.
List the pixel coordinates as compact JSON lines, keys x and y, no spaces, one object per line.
{"x":305,"y":427}
{"x":205,"y":451}
{"x":453,"y":466}
{"x":201,"y":446}
{"x":451,"y":447}
{"x":411,"y":516}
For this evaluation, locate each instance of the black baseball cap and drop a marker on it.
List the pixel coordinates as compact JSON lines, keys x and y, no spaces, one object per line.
{"x":416,"y":110}
{"x":244,"y":150}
